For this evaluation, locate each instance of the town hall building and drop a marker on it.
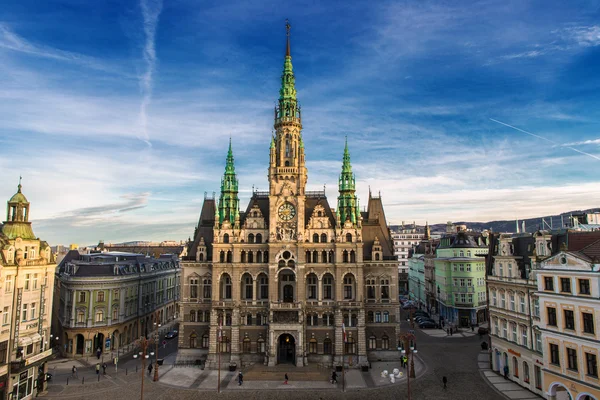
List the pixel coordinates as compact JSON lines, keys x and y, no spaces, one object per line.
{"x":285,"y":280}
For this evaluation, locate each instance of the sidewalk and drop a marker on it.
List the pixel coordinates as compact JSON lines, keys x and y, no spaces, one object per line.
{"x":505,"y":386}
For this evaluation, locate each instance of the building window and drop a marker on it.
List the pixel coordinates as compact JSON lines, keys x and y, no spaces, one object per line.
{"x":328,"y":319}
{"x":515,"y":367}
{"x":348,"y":283}
{"x":524,"y":335}
{"x":312,"y":287}
{"x":248,"y":288}
{"x":513,"y":328}
{"x":32,"y":311}
{"x":24,"y":313}
{"x":350,"y":346}
{"x":584,"y":286}
{"x":536,"y":307}
{"x":554,"y":358}
{"x":312,"y":346}
{"x":115,"y":314}
{"x":385,"y":288}
{"x":80,"y":317}
{"x":386,"y":316}
{"x":261,"y":348}
{"x":525,"y":372}
{"x":328,"y":288}
{"x":572,"y":359}
{"x":99,"y":316}
{"x":503,"y":299}
{"x":551,"y":316}
{"x":27,"y":278}
{"x":588,"y":322}
{"x":538,"y":342}
{"x":385,"y":343}
{"x":249,"y":319}
{"x":378,"y":316}
{"x":100,"y":297}
{"x":569,"y":319}
{"x":8,"y":284}
{"x":35,"y":281}
{"x":565,"y":285}
{"x":372,"y":342}
{"x":512,"y":301}
{"x":205,"y":341}
{"x":493,"y":297}
{"x":592,"y":366}
{"x":207,"y":288}
{"x":193,"y":288}
{"x":327,"y":346}
{"x":538,"y":377}
{"x":246,"y":345}
{"x":522,"y":304}
{"x":193,"y":337}
{"x":228,"y":319}
{"x":5,"y":316}
{"x":82,"y":297}
{"x":3,"y":352}
{"x":264,"y":287}
{"x":548,"y":283}
{"x":370,"y":289}
{"x":504,"y":329}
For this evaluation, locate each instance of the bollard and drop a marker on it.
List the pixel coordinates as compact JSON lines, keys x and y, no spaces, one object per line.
{"x":67,"y":381}
{"x":83,"y":380}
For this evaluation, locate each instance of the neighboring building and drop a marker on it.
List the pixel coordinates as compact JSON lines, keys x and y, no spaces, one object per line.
{"x":26,"y":286}
{"x":405,"y":239}
{"x":282,"y":277}
{"x":568,"y":281}
{"x":514,"y":309}
{"x":416,"y":275}
{"x":460,"y":276}
{"x":107,"y":300}
{"x":152,"y":249}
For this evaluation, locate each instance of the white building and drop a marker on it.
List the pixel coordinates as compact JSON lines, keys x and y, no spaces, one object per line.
{"x":407,"y":237}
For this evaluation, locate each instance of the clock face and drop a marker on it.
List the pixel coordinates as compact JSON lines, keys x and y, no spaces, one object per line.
{"x":286,"y":212}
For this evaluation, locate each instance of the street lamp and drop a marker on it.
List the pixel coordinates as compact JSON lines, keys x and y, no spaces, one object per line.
{"x":409,"y":346}
{"x":156,"y":340}
{"x":143,"y":344}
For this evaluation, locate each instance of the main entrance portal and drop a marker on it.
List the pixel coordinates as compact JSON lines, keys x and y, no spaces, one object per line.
{"x":286,"y":353}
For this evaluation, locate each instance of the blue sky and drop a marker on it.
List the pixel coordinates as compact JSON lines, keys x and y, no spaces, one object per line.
{"x":118,"y":113}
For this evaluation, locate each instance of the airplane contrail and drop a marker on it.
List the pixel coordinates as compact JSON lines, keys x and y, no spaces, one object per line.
{"x":543,"y":138}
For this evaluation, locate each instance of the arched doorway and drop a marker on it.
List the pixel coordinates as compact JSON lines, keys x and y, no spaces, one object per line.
{"x":287,"y":285}
{"x":558,"y":391}
{"x":79,"y":344}
{"x":99,"y":342}
{"x":286,"y":351}
{"x":115,"y":340}
{"x":288,"y":294}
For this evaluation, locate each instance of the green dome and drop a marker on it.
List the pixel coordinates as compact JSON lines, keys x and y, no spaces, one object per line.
{"x":18,"y":197}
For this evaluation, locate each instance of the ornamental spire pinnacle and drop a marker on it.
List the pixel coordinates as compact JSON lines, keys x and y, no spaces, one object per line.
{"x":347,"y":201}
{"x":287,"y":33}
{"x":229,"y":201}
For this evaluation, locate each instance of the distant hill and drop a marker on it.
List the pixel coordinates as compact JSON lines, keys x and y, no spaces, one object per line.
{"x":531,"y":224}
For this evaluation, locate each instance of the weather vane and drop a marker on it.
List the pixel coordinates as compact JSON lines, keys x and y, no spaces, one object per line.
{"x":287,"y":27}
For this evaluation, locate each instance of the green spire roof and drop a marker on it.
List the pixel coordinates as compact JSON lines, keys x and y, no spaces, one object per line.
{"x":288,"y":104}
{"x":347,"y":201}
{"x":228,"y":201}
{"x":19,"y":197}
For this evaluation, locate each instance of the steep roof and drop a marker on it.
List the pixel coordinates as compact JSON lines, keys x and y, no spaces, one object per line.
{"x":375,"y":226}
{"x":311,"y":203}
{"x":204,"y":229}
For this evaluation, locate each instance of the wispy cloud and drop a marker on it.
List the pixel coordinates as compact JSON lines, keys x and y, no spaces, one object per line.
{"x":150,"y":11}
{"x":585,"y":36}
{"x":14,"y":42}
{"x":584,"y":142}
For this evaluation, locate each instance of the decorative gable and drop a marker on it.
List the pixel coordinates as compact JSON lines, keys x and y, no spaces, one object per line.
{"x":567,"y":262}
{"x":319,"y":219}
{"x":254,"y":219}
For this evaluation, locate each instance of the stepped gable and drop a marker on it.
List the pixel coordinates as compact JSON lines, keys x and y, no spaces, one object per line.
{"x":311,"y":203}
{"x":375,"y":226}
{"x":262,"y":201}
{"x":204,"y":229}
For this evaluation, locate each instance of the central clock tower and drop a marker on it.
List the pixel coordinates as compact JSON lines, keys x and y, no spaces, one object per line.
{"x":287,"y":168}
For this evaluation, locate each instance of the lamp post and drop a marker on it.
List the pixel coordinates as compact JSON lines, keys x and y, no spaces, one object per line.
{"x":409,"y":346}
{"x":156,"y":340}
{"x":143,"y":344}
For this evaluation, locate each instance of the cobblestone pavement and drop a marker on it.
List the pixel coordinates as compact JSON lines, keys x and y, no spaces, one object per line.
{"x":455,"y":358}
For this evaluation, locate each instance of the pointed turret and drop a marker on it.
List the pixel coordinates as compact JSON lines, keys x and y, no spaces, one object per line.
{"x":347,"y":201}
{"x":229,"y":201}
{"x":288,"y":109}
{"x":427,"y":231}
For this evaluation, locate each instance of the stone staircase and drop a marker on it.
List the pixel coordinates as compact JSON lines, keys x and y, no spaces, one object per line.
{"x":277,"y":373}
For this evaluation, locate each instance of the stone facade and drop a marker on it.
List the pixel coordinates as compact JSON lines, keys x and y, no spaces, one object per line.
{"x":275,"y":284}
{"x":26,"y":286}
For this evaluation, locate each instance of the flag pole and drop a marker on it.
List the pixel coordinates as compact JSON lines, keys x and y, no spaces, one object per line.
{"x":219,"y":366}
{"x":343,"y":355}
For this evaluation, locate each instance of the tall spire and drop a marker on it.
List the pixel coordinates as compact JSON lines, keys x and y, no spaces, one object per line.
{"x":288,"y":105}
{"x":228,"y":201}
{"x":347,"y":201}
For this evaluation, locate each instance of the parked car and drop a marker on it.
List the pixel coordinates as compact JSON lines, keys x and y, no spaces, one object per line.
{"x":427,"y":324}
{"x":407,"y":305}
{"x":421,"y":313}
{"x":419,"y":320}
{"x":172,"y":334}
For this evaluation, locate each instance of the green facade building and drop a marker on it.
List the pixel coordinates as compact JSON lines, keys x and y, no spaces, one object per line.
{"x":460,"y":278}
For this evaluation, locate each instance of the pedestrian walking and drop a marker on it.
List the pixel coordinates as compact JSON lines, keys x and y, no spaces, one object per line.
{"x":150,"y":369}
{"x":450,"y":331}
{"x":286,"y":379}
{"x":98,"y":352}
{"x":74,"y":372}
{"x":333,"y":377}
{"x":98,"y":369}
{"x":445,"y":381}
{"x":240,"y":378}
{"x":506,"y":372}
{"x":472,"y":328}
{"x":104,"y":369}
{"x":404,"y":361}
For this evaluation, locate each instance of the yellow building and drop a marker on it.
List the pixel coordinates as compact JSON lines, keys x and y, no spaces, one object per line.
{"x":568,"y":282}
{"x":26,"y":286}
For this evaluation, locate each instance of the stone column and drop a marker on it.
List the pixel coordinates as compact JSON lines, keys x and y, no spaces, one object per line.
{"x":320,"y":289}
{"x":254,"y":289}
{"x":73,"y":316}
{"x":362,"y":342}
{"x":235,"y":335}
{"x":338,"y":339}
